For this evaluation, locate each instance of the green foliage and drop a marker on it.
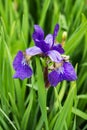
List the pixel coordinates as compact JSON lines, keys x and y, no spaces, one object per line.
{"x":28,"y":105}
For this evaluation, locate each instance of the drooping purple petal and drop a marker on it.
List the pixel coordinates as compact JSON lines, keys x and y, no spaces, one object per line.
{"x":55,"y":32}
{"x":43,"y":46}
{"x":54,"y":55}
{"x":33,"y":51}
{"x":49,"y":39}
{"x":17,"y":60}
{"x":69,"y":72}
{"x":54,"y":77}
{"x":38,"y":33}
{"x":21,"y":67}
{"x":23,"y":72}
{"x":58,"y":47}
{"x":65,"y":72}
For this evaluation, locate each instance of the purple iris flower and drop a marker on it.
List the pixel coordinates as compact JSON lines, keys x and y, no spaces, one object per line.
{"x":21,"y":67}
{"x":64,"y":71}
{"x":46,"y":46}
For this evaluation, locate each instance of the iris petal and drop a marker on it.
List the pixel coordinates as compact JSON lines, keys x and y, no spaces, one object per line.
{"x":22,"y":69}
{"x":69,"y":72}
{"x":24,"y":72}
{"x":58,"y":47}
{"x":56,"y":29}
{"x":43,"y":46}
{"x":38,"y":33}
{"x":49,"y":39}
{"x":54,"y":78}
{"x":65,"y":72}
{"x":54,"y":55}
{"x":33,"y":51}
{"x":17,"y":60}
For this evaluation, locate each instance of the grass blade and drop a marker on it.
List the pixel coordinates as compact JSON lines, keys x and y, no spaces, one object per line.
{"x":41,"y":89}
{"x":64,"y":112}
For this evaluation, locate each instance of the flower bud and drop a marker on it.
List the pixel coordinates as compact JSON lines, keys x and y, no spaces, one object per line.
{"x":64,"y":36}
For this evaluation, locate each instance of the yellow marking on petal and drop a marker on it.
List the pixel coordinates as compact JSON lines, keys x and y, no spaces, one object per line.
{"x":27,"y":57}
{"x":58,"y":65}
{"x":66,"y":58}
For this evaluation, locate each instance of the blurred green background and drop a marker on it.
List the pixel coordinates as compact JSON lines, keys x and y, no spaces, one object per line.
{"x":28,"y":105}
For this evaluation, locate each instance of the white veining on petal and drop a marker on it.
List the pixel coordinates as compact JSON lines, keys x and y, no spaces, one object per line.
{"x":60,"y":70}
{"x":24,"y":62}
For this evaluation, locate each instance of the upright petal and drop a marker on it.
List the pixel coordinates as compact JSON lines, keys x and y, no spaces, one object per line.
{"x":54,"y":78}
{"x":49,"y":39}
{"x":38,"y":33}
{"x":54,"y":56}
{"x":58,"y":47}
{"x":23,"y":72}
{"x":55,"y":32}
{"x":33,"y":51}
{"x":43,"y":46}
{"x":17,"y":60}
{"x":69,"y":72}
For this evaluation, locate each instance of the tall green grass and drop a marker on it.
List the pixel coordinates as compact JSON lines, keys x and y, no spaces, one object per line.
{"x":28,"y":105}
